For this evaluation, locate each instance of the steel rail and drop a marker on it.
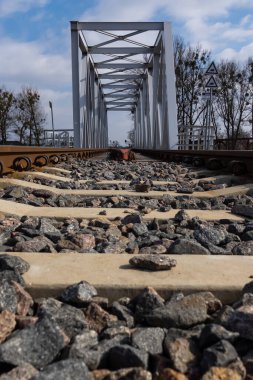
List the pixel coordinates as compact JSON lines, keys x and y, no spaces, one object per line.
{"x":24,"y":158}
{"x":238,"y":161}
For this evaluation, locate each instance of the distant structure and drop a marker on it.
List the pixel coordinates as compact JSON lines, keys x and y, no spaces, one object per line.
{"x":127,"y":75}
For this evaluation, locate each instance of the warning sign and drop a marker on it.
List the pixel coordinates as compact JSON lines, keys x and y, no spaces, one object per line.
{"x":211,"y":83}
{"x":212,"y":70}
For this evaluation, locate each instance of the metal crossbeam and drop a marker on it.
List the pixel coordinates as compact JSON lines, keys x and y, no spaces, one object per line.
{"x":119,"y":109}
{"x":118,"y":96}
{"x":120,"y":25}
{"x":123,"y":66}
{"x":120,"y":76}
{"x":121,"y":103}
{"x":125,"y":86}
{"x":120,"y":50}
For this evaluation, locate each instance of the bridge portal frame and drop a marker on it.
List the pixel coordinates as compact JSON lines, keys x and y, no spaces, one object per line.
{"x":146,"y":88}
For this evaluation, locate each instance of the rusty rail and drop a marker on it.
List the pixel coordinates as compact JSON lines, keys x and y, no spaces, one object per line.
{"x":237,"y":161}
{"x":24,"y":158}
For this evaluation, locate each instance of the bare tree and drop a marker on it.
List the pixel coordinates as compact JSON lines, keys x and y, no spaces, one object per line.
{"x":30,"y":116}
{"x":232,"y":99}
{"x":7,"y":101}
{"x":190,"y":65}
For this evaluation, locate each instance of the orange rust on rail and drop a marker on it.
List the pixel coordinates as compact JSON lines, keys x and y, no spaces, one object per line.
{"x":23,"y":158}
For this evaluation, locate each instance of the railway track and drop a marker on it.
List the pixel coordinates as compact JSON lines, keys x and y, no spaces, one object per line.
{"x":73,"y":217}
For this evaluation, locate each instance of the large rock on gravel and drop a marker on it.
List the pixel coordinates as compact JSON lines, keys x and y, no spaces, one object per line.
{"x":220,"y":354}
{"x":9,"y":262}
{"x":37,"y":345}
{"x":153,"y":262}
{"x":187,"y":246}
{"x":79,"y":293}
{"x":65,"y":369}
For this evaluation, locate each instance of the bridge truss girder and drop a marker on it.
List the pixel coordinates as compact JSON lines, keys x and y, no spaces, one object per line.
{"x":141,"y":85}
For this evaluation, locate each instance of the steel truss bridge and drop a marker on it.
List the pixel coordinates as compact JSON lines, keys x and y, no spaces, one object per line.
{"x":125,"y":74}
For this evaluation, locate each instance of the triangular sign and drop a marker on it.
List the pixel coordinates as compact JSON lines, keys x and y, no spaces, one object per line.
{"x":212,"y":70}
{"x":211,"y":83}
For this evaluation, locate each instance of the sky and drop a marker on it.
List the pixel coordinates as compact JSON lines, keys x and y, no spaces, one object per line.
{"x":35,"y":41}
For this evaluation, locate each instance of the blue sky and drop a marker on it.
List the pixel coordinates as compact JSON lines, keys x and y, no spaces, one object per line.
{"x":35,"y":40}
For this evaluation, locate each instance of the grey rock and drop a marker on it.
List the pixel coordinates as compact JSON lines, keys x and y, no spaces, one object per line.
{"x":213,"y":333}
{"x":247,"y":236}
{"x":145,"y":302}
{"x":37,"y":345}
{"x":149,"y":339}
{"x":236,"y":228}
{"x":131,"y":218}
{"x":65,"y":369}
{"x":140,"y":229}
{"x":9,"y":262}
{"x":187,"y":246}
{"x":243,"y":210}
{"x":248,"y":288}
{"x":123,"y":313}
{"x":245,"y":248}
{"x":111,"y":332}
{"x":124,"y":356}
{"x":153,"y":262}
{"x":241,"y":321}
{"x":17,"y":192}
{"x":70,"y":319}
{"x":156,"y":249}
{"x":8,"y":297}
{"x":83,"y":343}
{"x":38,"y":244}
{"x":220,"y":354}
{"x":186,"y":312}
{"x":41,"y":193}
{"x":209,"y":234}
{"x":181,"y":215}
{"x":78,"y":293}
{"x":11,"y":275}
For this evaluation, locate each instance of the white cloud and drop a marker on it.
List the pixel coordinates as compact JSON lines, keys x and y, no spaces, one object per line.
{"x":8,"y":7}
{"x":27,"y":63}
{"x":242,"y":55}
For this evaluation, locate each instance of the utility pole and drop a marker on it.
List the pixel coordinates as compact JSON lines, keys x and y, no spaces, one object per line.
{"x":52,"y":118}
